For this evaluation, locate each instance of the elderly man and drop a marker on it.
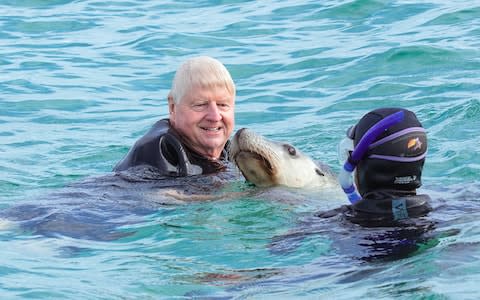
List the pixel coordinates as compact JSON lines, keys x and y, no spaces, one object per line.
{"x":193,"y":140}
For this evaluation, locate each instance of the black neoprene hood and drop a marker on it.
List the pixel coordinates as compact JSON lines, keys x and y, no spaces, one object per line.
{"x":395,"y":159}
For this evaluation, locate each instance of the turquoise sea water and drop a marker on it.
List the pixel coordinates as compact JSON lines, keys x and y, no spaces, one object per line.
{"x":81,"y":80}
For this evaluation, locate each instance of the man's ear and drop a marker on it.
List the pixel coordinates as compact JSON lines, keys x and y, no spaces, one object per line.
{"x":171,"y":105}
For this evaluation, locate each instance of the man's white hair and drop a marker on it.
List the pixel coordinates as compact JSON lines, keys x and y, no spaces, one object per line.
{"x":201,"y":71}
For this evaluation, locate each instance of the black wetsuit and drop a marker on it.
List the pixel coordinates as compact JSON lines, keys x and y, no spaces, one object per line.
{"x":384,"y":208}
{"x":162,"y":148}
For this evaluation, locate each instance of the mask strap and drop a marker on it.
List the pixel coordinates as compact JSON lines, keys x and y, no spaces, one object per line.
{"x":345,"y":177}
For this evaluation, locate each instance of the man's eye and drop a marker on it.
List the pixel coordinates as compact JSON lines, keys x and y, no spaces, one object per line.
{"x":223,"y":106}
{"x":199,"y":106}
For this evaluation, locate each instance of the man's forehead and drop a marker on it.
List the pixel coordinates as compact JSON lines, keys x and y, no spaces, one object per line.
{"x":215,"y":93}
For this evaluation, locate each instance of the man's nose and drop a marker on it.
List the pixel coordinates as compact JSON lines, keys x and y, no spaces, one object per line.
{"x":213,"y":112}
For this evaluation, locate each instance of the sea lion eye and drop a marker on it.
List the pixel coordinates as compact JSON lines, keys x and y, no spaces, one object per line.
{"x":291,"y":150}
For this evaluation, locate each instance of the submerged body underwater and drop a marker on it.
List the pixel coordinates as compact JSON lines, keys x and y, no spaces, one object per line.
{"x":82,"y":80}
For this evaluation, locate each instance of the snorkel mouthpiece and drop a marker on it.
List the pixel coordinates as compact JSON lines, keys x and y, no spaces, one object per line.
{"x":345,"y":177}
{"x":346,"y":182}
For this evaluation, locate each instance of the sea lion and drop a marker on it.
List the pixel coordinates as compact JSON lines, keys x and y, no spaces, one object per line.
{"x":267,"y":163}
{"x":103,"y":207}
{"x":96,"y":207}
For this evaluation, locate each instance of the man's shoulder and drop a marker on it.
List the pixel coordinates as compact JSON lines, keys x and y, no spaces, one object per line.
{"x":158,"y":129}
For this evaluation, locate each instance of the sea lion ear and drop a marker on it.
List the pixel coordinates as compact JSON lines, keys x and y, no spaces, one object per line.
{"x":320,"y":173}
{"x":174,"y":159}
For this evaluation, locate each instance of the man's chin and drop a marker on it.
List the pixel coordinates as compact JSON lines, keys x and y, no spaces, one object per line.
{"x":213,"y":149}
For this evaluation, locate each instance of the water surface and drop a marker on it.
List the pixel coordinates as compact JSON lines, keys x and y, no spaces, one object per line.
{"x":81,"y":80}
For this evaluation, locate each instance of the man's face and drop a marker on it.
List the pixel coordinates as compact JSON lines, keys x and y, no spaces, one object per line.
{"x":205,"y":118}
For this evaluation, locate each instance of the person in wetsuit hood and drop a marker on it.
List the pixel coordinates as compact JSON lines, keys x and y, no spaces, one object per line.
{"x":385,"y":151}
{"x":194,"y":139}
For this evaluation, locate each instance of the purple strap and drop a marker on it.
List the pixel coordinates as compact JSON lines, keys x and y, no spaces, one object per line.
{"x":398,"y":158}
{"x":373,"y":133}
{"x":395,"y":135}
